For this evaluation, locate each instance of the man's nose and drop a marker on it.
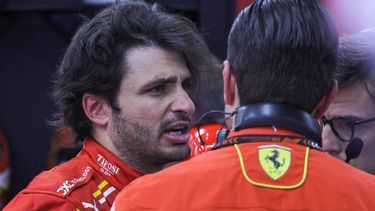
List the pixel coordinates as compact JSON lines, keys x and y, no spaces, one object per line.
{"x":332,"y":144}
{"x":183,"y":103}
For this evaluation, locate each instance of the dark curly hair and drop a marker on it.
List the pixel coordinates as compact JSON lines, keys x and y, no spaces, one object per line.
{"x":95,"y":61}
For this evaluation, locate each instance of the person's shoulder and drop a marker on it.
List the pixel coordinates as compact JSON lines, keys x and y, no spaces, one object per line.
{"x":52,"y":188}
{"x":203,"y":165}
{"x":61,"y":180}
{"x":336,"y":168}
{"x":157,"y":191}
{"x":39,"y":201}
{"x":348,"y":179}
{"x":360,"y":177}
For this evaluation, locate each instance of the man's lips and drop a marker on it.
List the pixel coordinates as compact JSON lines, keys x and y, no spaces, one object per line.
{"x":178,"y":132}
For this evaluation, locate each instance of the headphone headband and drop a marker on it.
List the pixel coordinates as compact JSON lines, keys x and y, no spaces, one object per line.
{"x":278,"y":115}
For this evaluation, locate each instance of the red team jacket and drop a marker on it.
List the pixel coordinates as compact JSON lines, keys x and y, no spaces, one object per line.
{"x":269,"y":170}
{"x":91,"y":181}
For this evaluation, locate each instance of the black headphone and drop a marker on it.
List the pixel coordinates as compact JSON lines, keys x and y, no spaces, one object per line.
{"x":278,"y":115}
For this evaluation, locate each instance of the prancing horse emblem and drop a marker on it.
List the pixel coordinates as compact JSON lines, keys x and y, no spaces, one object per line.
{"x":274,"y":159}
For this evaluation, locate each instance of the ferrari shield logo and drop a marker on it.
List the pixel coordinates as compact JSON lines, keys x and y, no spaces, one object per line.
{"x":274,"y":159}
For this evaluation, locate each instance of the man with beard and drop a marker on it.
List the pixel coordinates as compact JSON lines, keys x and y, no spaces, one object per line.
{"x":123,"y":88}
{"x":278,"y":80}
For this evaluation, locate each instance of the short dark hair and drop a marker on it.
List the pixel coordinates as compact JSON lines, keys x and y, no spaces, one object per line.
{"x":95,"y":61}
{"x":356,"y":60}
{"x":283,"y":51}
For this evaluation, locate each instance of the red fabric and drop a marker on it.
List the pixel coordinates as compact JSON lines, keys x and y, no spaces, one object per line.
{"x":214,"y":181}
{"x":4,"y":169}
{"x":90,"y":180}
{"x":241,"y":4}
{"x":208,"y":133}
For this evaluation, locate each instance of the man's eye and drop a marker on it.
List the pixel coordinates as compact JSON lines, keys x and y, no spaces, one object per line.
{"x":158,"y":89}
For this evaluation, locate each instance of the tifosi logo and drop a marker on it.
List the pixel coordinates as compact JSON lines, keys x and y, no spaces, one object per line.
{"x":67,"y":185}
{"x":106,"y":167}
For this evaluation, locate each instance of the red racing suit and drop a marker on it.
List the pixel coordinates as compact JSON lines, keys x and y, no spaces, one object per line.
{"x":90,"y":181}
{"x":258,"y":169}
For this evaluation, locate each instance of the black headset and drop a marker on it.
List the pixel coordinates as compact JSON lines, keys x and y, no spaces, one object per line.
{"x":278,"y":115}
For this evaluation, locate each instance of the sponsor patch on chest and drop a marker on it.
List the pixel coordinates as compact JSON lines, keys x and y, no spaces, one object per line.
{"x":106,"y":167}
{"x":70,"y":184}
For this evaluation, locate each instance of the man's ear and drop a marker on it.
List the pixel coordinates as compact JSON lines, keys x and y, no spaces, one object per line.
{"x":326,"y":101}
{"x":229,"y":84}
{"x":96,"y":109}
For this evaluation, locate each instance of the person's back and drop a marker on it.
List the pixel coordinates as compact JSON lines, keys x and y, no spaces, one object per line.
{"x":215,"y":181}
{"x":278,"y":81}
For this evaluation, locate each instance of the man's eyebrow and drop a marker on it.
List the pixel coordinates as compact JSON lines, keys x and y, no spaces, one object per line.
{"x":160,"y":81}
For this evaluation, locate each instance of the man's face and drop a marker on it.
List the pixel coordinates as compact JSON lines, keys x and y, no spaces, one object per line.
{"x":152,"y":128}
{"x":356,"y":104}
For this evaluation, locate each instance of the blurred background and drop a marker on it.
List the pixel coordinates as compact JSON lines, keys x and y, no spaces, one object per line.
{"x":33,"y":38}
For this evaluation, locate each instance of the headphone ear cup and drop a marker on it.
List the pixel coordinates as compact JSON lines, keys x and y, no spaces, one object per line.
{"x":221,"y":135}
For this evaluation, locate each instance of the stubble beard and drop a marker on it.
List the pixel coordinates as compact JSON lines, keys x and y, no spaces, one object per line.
{"x":140,"y":147}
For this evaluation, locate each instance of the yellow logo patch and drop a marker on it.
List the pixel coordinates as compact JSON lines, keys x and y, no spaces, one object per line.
{"x":274,"y":159}
{"x":101,"y":192}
